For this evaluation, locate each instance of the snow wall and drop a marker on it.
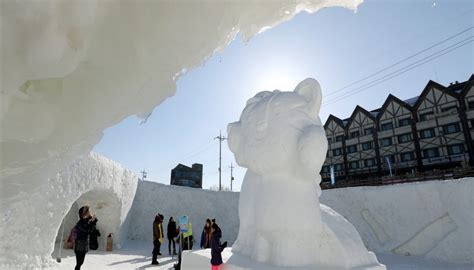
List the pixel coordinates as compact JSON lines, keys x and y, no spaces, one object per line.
{"x":29,"y":231}
{"x":197,"y":204}
{"x":430,"y":219}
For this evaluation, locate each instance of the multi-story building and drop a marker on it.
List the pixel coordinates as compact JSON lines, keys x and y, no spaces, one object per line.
{"x":431,"y":131}
{"x":185,"y":176}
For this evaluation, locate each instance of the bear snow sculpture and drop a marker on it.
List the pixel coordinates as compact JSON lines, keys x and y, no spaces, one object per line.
{"x":282,"y":143}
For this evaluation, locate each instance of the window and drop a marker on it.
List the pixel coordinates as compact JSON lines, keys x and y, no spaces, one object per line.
{"x":338,"y":167}
{"x":407,"y":137}
{"x":354,"y":165}
{"x":329,"y":140}
{"x":367,"y":145}
{"x":369,"y":131}
{"x":404,"y":122}
{"x":337,"y":152}
{"x":456,"y":149}
{"x":451,"y":128}
{"x":391,"y":159}
{"x":354,"y":134}
{"x":470,"y":105}
{"x":426,"y":116}
{"x":431,"y":153}
{"x":386,"y":126}
{"x":339,"y":138}
{"x":450,"y":108}
{"x":427,"y":133}
{"x":351,"y":149}
{"x":370,"y":162}
{"x":407,"y":156}
{"x":325,"y":169}
{"x":386,"y":141}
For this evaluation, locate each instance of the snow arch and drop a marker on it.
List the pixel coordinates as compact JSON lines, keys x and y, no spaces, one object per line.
{"x":43,"y":212}
{"x":105,"y":204}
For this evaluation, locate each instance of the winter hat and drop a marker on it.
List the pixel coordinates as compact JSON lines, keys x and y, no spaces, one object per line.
{"x":83,"y":210}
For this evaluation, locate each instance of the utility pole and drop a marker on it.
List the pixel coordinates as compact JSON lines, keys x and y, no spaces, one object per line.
{"x":231,"y":175}
{"x":220,"y":138}
{"x":143,"y":174}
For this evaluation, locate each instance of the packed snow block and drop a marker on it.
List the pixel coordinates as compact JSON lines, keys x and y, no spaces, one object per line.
{"x":433,"y":219}
{"x":200,"y":260}
{"x":30,"y":227}
{"x":173,"y":201}
{"x":281,"y":141}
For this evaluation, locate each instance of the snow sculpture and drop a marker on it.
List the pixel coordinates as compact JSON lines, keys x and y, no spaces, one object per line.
{"x":281,"y":140}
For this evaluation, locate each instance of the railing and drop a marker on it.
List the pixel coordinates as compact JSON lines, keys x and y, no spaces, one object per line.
{"x":400,"y":179}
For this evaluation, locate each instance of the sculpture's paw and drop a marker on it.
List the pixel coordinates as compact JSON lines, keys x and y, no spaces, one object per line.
{"x":262,"y":249}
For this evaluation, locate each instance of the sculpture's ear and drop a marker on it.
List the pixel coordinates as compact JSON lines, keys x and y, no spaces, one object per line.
{"x":258,"y":97}
{"x":311,"y":91}
{"x":233,"y":136}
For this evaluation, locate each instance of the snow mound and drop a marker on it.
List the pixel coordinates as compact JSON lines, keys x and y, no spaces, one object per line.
{"x":30,"y":228}
{"x":281,"y":141}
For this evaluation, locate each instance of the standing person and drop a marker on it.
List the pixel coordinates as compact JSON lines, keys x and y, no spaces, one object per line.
{"x":206,"y":235}
{"x":171,"y":233}
{"x":216,"y":247}
{"x":83,"y":229}
{"x":157,"y":237}
{"x":188,"y":238}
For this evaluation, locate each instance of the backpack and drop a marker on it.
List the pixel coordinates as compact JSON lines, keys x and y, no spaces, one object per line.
{"x":73,"y":234}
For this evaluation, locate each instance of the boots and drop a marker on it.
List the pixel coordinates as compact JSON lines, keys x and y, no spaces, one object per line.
{"x":154,"y":259}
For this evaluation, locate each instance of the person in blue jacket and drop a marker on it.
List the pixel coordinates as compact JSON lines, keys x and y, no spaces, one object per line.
{"x":206,"y":235}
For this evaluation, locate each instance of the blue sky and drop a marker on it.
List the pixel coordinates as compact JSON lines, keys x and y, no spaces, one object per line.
{"x":336,"y":46}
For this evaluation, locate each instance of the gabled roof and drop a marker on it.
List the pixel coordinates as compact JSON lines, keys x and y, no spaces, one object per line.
{"x":375,"y":112}
{"x":467,"y":86}
{"x":430,"y":85}
{"x":411,"y":101}
{"x":357,"y":110}
{"x":335,"y":119}
{"x":182,"y":167}
{"x":392,"y":98}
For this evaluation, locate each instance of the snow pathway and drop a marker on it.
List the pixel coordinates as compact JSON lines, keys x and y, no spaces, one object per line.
{"x":137,"y":255}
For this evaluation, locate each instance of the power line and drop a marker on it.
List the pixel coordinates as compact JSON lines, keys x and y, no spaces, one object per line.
{"x":400,"y":61}
{"x":201,"y":150}
{"x":400,"y":71}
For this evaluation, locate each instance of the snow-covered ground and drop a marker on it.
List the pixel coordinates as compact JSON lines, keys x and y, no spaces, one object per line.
{"x":137,"y":255}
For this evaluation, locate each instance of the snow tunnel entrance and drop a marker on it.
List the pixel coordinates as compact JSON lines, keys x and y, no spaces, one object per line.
{"x":105,"y":205}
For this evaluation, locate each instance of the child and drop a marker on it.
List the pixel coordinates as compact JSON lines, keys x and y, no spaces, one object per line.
{"x":216,"y":247}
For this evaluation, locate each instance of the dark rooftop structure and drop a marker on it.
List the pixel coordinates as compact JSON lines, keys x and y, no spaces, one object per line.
{"x":185,"y":176}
